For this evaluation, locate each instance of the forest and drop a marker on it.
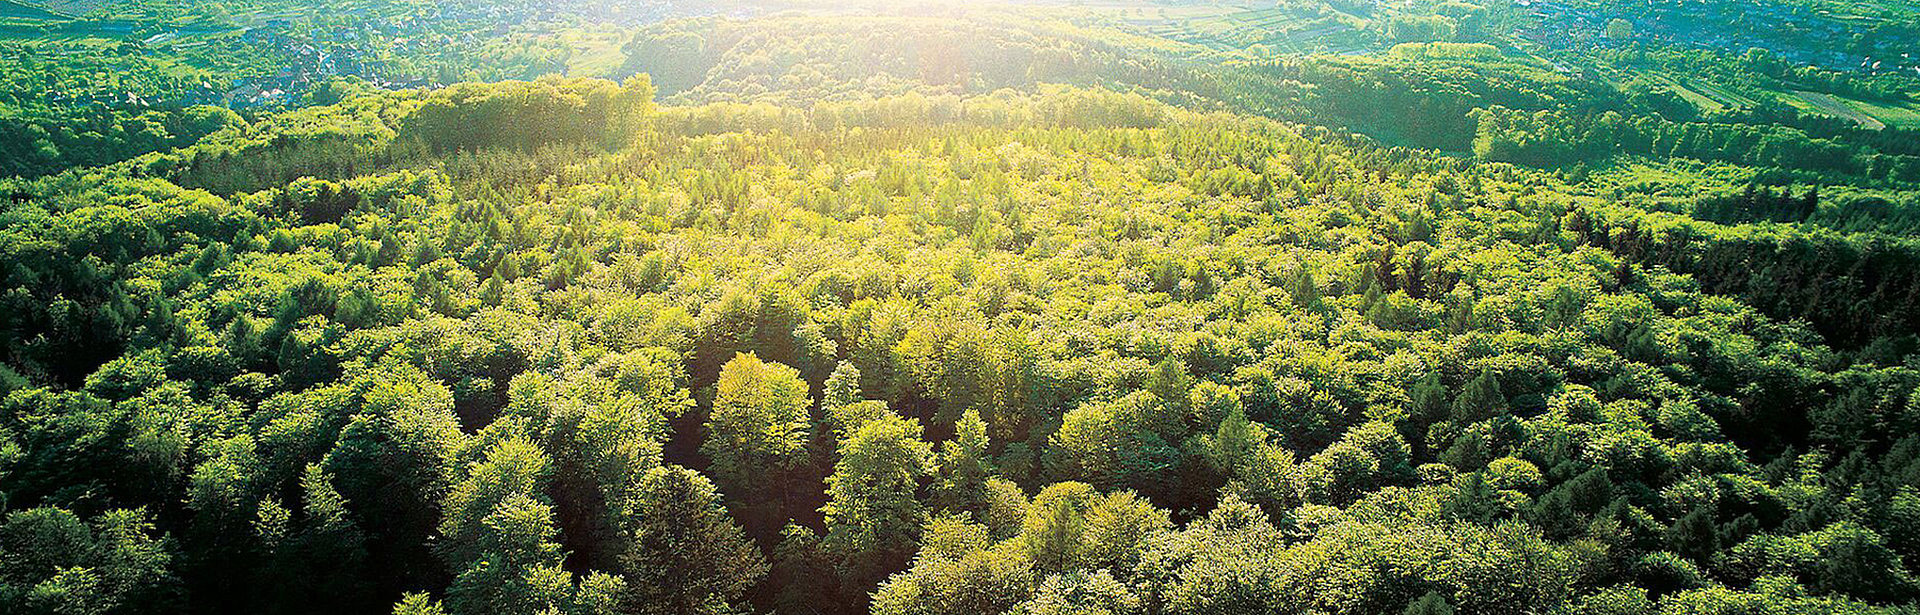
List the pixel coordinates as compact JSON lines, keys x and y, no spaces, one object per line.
{"x":1029,"y":310}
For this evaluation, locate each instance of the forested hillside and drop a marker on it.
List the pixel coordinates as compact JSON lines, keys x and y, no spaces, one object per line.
{"x":936,"y":354}
{"x":1049,"y":309}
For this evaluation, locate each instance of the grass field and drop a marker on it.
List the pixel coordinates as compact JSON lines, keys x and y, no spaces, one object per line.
{"x":1702,"y":101}
{"x":1873,"y":115}
{"x":1721,"y":95}
{"x":1233,"y":28}
{"x":596,"y":52}
{"x":1819,"y":102}
{"x":1905,"y":115}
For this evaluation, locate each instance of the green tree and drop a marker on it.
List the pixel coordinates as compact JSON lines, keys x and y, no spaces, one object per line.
{"x":418,"y":604}
{"x":756,"y":436}
{"x":499,"y":539}
{"x":1082,"y":593}
{"x":872,"y":514}
{"x":842,"y":386}
{"x":1055,"y":525}
{"x":1479,"y":400}
{"x":1431,"y":604}
{"x":52,"y":562}
{"x":1474,"y":499}
{"x":1694,"y":535}
{"x":321,"y":563}
{"x":963,"y":467}
{"x":685,"y":555}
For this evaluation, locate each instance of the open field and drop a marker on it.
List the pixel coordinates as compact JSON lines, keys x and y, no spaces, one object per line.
{"x":1905,"y":115}
{"x":596,"y":52}
{"x":1702,"y":101}
{"x":1873,"y":115}
{"x":1278,"y":29}
{"x":1828,"y":104}
{"x":1720,"y":94}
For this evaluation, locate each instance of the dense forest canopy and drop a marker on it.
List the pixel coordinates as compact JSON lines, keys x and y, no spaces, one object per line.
{"x":1139,"y":308}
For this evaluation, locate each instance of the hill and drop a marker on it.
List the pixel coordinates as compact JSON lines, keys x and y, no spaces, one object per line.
{"x":932,"y":353}
{"x":1135,"y":308}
